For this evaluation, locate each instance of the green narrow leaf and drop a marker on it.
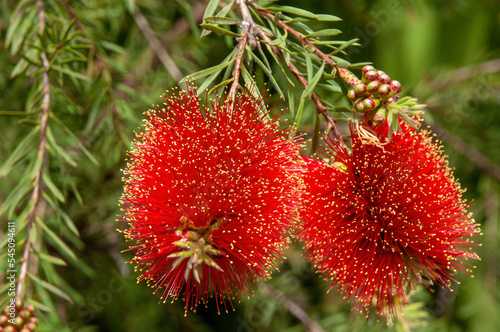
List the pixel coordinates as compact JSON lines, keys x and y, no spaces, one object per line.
{"x":315,"y":139}
{"x":22,"y":149}
{"x":220,"y":86}
{"x":280,"y":39}
{"x":324,"y":33}
{"x":17,"y":194}
{"x":328,"y":18}
{"x":268,"y":72}
{"x":111,"y":46}
{"x":291,"y":101}
{"x":279,"y":63}
{"x":209,"y":71}
{"x":71,"y":181}
{"x":16,"y":113}
{"x":295,"y":11}
{"x":52,"y":187}
{"x":19,"y":68}
{"x":345,"y":45}
{"x":69,"y":223}
{"x":65,"y":33}
{"x":298,"y":115}
{"x":58,"y":243}
{"x":58,"y":151}
{"x":211,"y":7}
{"x":340,"y":62}
{"x":75,"y":139}
{"x":51,"y":259}
{"x":209,"y":11}
{"x":309,"y":64}
{"x":19,"y":30}
{"x":222,"y":20}
{"x":219,"y":30}
{"x":51,"y":288}
{"x":313,"y":82}
{"x":70,"y":73}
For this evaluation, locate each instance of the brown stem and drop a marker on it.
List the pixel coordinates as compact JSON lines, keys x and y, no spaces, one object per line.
{"x":343,"y":73}
{"x":247,"y":28}
{"x":292,"y":307}
{"x":466,"y":73}
{"x":35,"y":195}
{"x":156,"y":45}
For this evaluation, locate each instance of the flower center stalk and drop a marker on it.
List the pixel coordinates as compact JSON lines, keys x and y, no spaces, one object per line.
{"x":196,"y":247}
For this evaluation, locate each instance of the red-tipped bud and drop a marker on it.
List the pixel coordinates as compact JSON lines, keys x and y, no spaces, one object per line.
{"x":373,"y":86}
{"x":380,"y":115}
{"x":360,"y":106}
{"x":18,"y":322}
{"x":24,"y":313}
{"x":371,"y":75}
{"x":383,"y":78}
{"x":366,"y":69}
{"x":351,"y":95}
{"x":395,"y":86}
{"x":369,"y":104}
{"x":360,"y":89}
{"x":9,"y":328}
{"x":384,"y":90}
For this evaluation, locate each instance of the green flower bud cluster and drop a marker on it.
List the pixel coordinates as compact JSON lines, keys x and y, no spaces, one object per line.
{"x":18,"y":317}
{"x":375,"y":92}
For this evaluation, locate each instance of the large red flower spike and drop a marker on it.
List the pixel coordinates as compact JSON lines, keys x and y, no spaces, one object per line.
{"x":384,"y":217}
{"x":211,"y":196}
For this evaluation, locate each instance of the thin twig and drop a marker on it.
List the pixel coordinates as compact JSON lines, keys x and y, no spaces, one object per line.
{"x":247,"y":27}
{"x":292,"y":307}
{"x":35,"y":195}
{"x":465,"y":73}
{"x":156,"y":45}
{"x":343,"y":73}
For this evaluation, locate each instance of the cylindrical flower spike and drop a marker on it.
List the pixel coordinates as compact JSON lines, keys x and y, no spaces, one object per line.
{"x":211,"y":194}
{"x":390,"y":217}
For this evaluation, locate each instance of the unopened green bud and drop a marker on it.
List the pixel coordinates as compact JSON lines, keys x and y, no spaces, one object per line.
{"x":359,"y":106}
{"x":360,"y":89}
{"x":373,"y":86}
{"x":351,"y":95}
{"x":380,"y":116}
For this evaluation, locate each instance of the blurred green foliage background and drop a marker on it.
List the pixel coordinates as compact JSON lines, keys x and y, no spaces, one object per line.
{"x":445,"y":52}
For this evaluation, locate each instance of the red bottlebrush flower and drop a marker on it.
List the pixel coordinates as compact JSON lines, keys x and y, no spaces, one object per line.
{"x":384,"y":217}
{"x":210,"y":195}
